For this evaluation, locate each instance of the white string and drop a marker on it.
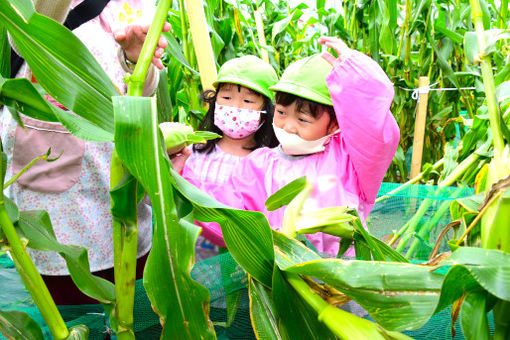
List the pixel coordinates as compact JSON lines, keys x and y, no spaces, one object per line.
{"x":422,"y":90}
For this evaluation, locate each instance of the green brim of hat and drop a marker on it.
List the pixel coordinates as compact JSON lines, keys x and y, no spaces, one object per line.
{"x":246,"y":83}
{"x":300,"y":91}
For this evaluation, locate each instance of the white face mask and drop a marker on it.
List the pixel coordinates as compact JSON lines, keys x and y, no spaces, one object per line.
{"x":235,"y":122}
{"x":294,"y":145}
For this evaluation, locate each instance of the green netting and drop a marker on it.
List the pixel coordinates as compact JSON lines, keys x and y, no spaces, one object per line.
{"x":226,"y":281}
{"x":391,"y":214}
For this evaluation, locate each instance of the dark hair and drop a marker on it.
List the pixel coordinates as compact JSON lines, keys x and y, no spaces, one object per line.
{"x":316,"y":109}
{"x":263,"y":137}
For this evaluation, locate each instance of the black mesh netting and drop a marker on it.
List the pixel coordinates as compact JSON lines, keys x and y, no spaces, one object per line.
{"x":226,"y":281}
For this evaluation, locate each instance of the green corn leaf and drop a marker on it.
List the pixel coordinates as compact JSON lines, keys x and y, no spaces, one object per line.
{"x":473,"y":316}
{"x":503,"y":91}
{"x":503,"y":73}
{"x":388,"y":252}
{"x":343,"y":324}
{"x":233,"y":301}
{"x":471,"y":49}
{"x":175,"y":297}
{"x":289,"y":251}
{"x":319,"y":4}
{"x":454,"y":36}
{"x":373,"y":32}
{"x":36,"y":227}
{"x":174,"y":49}
{"x":398,"y":296}
{"x":12,"y":210}
{"x":460,"y":206}
{"x":20,"y":95}
{"x":24,"y":97}
{"x":475,"y":269}
{"x":262,"y":311}
{"x":285,"y":195}
{"x":500,"y":231}
{"x":376,"y":252}
{"x":486,"y":17}
{"x":388,"y":23}
{"x":18,"y":325}
{"x":165,"y":107}
{"x":60,"y":63}
{"x":280,"y":25}
{"x":5,"y":53}
{"x":14,"y":113}
{"x":295,"y":315}
{"x":494,"y":37}
{"x":422,"y":5}
{"x":443,"y":62}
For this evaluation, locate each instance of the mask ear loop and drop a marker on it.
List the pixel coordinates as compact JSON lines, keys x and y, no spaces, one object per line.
{"x":262,"y":114}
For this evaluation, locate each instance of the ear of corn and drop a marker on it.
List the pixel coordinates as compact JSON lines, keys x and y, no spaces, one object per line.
{"x":333,"y":221}
{"x":177,"y":136}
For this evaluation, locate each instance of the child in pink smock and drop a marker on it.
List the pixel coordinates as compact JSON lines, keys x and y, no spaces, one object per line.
{"x":241,"y":111}
{"x":333,"y":121}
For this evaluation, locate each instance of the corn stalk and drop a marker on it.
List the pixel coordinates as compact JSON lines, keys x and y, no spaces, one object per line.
{"x":125,"y":229}
{"x":494,"y":231}
{"x":28,"y":272}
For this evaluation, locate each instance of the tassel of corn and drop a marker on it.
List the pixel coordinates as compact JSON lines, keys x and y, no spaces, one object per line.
{"x":201,"y":43}
{"x":262,"y":38}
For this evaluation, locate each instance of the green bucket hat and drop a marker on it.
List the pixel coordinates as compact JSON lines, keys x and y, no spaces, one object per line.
{"x":306,"y":78}
{"x":248,"y":71}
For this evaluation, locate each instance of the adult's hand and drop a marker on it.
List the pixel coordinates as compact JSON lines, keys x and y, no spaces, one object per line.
{"x":132,"y":37}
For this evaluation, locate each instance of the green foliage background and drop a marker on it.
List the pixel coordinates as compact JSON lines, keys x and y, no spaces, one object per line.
{"x":408,"y":38}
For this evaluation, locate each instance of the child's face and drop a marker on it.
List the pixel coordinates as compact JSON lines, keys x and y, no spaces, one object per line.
{"x":239,"y":96}
{"x":302,"y":123}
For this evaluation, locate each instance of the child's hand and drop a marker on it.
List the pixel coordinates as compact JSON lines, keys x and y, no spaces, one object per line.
{"x":132,"y":37}
{"x":338,"y":45}
{"x":179,"y":159}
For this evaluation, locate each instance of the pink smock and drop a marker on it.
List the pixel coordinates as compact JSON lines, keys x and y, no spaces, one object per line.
{"x":348,"y":172}
{"x":209,"y":170}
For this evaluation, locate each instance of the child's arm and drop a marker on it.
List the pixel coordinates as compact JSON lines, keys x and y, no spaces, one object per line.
{"x":362,"y":95}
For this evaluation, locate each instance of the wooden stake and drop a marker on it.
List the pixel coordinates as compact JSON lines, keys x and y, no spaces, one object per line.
{"x":419,"y":127}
